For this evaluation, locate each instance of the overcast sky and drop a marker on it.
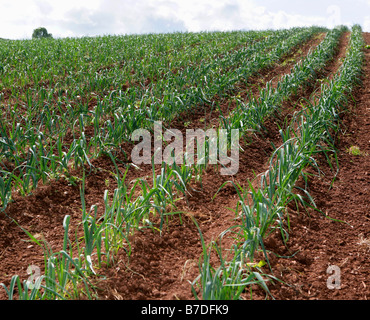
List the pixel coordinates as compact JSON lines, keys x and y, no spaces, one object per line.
{"x":76,"y":18}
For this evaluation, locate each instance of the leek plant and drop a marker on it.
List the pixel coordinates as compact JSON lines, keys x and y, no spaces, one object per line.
{"x":229,"y":280}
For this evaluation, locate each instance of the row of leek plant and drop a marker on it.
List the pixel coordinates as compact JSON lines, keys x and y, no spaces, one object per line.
{"x":147,"y":203}
{"x":193,"y":74}
{"x":159,"y":198}
{"x":30,"y":61}
{"x":250,"y":116}
{"x":172,"y":96}
{"x":50,"y":108}
{"x":35,"y":98}
{"x":68,"y":273}
{"x":129,"y":115}
{"x":263,"y":210}
{"x":134,"y":61}
{"x":32,"y":141}
{"x":231,"y":277}
{"x":37,"y":154}
{"x":105,"y":235}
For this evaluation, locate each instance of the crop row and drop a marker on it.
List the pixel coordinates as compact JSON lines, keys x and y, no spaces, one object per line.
{"x":33,"y":144}
{"x":48,"y":61}
{"x":104,"y":236}
{"x":250,"y":116}
{"x":263,"y":210}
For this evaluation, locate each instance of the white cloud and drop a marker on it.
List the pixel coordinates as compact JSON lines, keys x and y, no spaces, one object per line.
{"x":237,"y":14}
{"x":63,"y":18}
{"x":18,"y":18}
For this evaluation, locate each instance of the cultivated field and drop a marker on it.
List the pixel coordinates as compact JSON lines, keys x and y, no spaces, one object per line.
{"x":79,"y":219}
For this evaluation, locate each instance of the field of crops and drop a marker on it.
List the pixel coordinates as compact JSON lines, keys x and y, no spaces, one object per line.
{"x":79,"y":219}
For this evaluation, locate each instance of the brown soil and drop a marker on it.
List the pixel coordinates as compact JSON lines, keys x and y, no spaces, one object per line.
{"x":161,"y":266}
